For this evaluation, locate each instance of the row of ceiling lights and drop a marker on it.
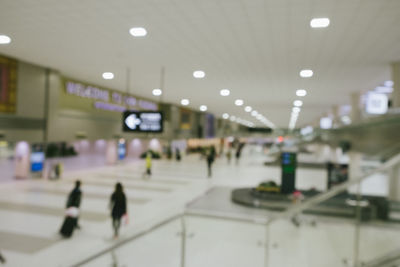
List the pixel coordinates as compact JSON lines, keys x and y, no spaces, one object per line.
{"x":306,"y":73}
{"x":199,"y":74}
{"x":254,"y":113}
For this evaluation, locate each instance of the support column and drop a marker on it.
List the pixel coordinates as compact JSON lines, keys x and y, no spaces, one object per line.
{"x":354,"y":164}
{"x":396,"y":86}
{"x":355,"y":107}
{"x":336,"y":121}
{"x":394,"y":183}
{"x":111,"y":152}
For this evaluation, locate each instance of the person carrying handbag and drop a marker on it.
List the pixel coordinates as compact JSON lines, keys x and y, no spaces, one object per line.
{"x":118,"y":208}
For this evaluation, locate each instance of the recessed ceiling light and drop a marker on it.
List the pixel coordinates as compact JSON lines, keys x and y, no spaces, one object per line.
{"x":108,"y":75}
{"x":199,"y":74}
{"x":138,"y":31}
{"x":203,"y":108}
{"x":319,"y":23}
{"x":157,"y":92}
{"x":4,"y":39}
{"x":298,"y":103}
{"x":225,"y":92}
{"x":238,"y":102}
{"x":296,"y":109}
{"x":225,"y":116}
{"x":306,"y":73}
{"x":254,"y":113}
{"x":185,"y":102}
{"x":247,"y":109}
{"x":301,"y":92}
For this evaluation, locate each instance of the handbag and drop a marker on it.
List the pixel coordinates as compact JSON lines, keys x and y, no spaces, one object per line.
{"x":72,"y":212}
{"x":125,"y":219}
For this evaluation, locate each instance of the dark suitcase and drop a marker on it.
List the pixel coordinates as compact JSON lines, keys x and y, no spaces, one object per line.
{"x":68,"y":226}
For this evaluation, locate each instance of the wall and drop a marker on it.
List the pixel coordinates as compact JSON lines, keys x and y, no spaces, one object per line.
{"x":27,"y":122}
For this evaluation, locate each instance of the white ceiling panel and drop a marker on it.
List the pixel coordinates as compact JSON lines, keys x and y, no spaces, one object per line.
{"x":256,"y":48}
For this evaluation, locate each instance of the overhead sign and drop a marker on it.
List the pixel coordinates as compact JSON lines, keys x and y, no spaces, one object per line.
{"x":8,"y":85}
{"x":376,"y":103}
{"x":79,"y":95}
{"x":142,"y":122}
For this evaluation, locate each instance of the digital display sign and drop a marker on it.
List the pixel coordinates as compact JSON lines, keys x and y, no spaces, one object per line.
{"x":150,"y":122}
{"x":376,"y":103}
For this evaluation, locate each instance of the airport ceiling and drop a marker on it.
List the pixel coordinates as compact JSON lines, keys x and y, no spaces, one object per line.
{"x":256,"y":48}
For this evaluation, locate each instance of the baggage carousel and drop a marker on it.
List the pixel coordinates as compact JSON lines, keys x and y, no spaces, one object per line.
{"x":343,"y":205}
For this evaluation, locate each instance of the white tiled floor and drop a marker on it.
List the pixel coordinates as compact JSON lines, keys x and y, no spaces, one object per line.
{"x":215,"y":242}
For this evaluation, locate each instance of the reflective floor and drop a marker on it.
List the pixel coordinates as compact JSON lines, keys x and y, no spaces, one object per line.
{"x":31,"y":214}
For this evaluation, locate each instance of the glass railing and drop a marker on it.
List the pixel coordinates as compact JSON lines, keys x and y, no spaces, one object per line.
{"x":340,"y":227}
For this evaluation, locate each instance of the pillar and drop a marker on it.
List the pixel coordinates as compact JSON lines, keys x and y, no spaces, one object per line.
{"x":396,"y":86}
{"x":111,"y":152}
{"x":355,"y":107}
{"x":336,"y":121}
{"x":394,"y":183}
{"x":354,"y":165}
{"x":22,"y":159}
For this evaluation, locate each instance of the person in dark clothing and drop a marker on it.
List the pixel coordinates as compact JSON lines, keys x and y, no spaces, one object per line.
{"x":118,"y":207}
{"x":74,"y":199}
{"x":239,"y":152}
{"x":178,"y":154}
{"x":2,"y":259}
{"x":210,"y":159}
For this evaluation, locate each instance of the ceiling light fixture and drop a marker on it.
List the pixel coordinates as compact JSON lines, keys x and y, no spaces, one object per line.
{"x":247,"y":109}
{"x":296,"y":109}
{"x":306,"y":73}
{"x":225,"y":116}
{"x":4,"y":39}
{"x":199,"y":74}
{"x":203,"y":108}
{"x":138,"y":32}
{"x":185,"y":102}
{"x":108,"y":75}
{"x":157,"y":92}
{"x":301,"y":92}
{"x":239,"y":102}
{"x":319,"y":23}
{"x":254,"y":113}
{"x":298,"y":103}
{"x":225,"y":92}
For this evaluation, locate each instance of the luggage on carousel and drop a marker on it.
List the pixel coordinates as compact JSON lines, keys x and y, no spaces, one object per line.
{"x":68,"y":226}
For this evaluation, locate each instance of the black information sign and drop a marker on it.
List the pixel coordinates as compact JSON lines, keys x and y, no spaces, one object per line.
{"x":288,"y":165}
{"x":149,"y":122}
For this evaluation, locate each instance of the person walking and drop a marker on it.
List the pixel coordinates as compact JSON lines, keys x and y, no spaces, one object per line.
{"x":147,"y":173}
{"x":178,"y":154}
{"x":239,"y":152}
{"x":210,"y":160}
{"x":2,"y":259}
{"x":74,"y":199}
{"x":72,"y":211}
{"x":229,"y":155}
{"x":118,"y":207}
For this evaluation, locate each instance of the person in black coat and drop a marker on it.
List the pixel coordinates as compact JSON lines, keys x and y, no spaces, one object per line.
{"x":2,"y":259}
{"x":210,"y":159}
{"x":118,"y":207}
{"x":74,"y":199}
